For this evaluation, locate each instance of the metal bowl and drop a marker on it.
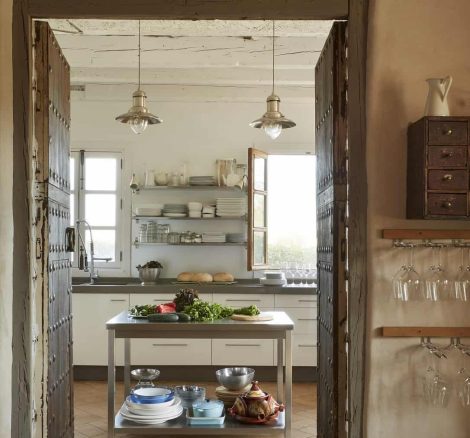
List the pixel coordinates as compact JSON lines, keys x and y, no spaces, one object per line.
{"x":190,"y":394}
{"x":235,"y":378}
{"x":149,"y":275}
{"x":148,"y":374}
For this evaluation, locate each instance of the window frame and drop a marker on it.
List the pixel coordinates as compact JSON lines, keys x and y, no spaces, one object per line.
{"x":79,"y":192}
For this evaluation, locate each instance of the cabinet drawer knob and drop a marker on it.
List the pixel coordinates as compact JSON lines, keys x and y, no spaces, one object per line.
{"x":447,"y":154}
{"x":447,"y":177}
{"x":447,"y":205}
{"x":447,"y":131}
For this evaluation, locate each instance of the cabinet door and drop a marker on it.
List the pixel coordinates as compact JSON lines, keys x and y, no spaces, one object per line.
{"x":90,"y":314}
{"x":305,"y":320}
{"x":297,"y":300}
{"x":242,"y":352}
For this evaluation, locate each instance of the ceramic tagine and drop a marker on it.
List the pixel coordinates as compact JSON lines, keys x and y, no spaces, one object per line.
{"x":255,"y":406}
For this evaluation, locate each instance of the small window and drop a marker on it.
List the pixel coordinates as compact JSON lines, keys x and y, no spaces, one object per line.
{"x":292,"y":211}
{"x":96,"y":199}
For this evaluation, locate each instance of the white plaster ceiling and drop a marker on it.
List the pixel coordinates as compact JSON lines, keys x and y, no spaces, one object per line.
{"x":181,"y":53}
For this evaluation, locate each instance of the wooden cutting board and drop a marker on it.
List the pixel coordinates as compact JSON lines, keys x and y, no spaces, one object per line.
{"x":252,"y":318}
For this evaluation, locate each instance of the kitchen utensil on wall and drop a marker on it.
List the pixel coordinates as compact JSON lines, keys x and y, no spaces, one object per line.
{"x":224,"y":169}
{"x":134,"y":184}
{"x":149,"y":178}
{"x":436,"y":102}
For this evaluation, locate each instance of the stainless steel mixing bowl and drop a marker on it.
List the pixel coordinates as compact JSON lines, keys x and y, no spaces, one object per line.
{"x":235,"y":378}
{"x":149,"y":275}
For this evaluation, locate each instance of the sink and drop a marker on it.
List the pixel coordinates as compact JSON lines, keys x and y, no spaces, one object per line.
{"x":103,"y":282}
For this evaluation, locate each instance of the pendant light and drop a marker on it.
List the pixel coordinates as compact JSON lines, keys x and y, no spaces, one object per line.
{"x":138,"y":116}
{"x":273,"y":121}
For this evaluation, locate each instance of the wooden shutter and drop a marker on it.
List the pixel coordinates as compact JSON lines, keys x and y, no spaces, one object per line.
{"x":330,"y":144}
{"x":257,"y":210}
{"x":52,"y":135}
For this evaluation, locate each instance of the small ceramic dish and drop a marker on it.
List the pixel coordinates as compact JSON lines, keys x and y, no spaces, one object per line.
{"x":204,"y":421}
{"x":152,"y":395}
{"x":208,"y":408}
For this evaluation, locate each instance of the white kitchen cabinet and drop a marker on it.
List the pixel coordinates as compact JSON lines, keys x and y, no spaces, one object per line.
{"x":140,"y":299}
{"x":242,"y":352}
{"x":263,"y":301}
{"x":304,"y":350}
{"x":305,"y":320}
{"x":295,"y":300}
{"x":90,"y":337}
{"x":168,"y":352}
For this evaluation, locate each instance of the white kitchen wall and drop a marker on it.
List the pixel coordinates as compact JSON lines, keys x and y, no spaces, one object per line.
{"x":195,"y":132}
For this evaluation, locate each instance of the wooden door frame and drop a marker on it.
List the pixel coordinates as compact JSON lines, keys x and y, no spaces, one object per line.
{"x":24,"y":11}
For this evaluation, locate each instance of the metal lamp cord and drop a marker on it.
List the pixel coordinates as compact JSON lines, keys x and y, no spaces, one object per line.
{"x":273,"y":59}
{"x":139,"y":54}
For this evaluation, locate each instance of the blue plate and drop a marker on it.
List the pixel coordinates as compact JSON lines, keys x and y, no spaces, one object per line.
{"x":152,"y":395}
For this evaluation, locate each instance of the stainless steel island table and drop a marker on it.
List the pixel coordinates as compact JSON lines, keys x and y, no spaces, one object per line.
{"x":279,"y":328}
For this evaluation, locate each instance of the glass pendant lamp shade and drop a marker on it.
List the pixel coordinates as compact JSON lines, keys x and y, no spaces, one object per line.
{"x":273,"y":121}
{"x":138,"y":117}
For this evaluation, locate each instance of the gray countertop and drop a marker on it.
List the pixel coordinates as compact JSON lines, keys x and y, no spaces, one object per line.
{"x":131,"y":285}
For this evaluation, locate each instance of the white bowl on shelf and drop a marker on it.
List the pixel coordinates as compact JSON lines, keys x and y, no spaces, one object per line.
{"x":272,"y":281}
{"x":149,"y":211}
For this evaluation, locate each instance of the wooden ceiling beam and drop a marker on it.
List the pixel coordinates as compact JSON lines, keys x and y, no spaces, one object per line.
{"x":191,"y":9}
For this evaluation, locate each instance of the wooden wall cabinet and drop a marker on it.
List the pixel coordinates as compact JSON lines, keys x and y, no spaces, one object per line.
{"x":438,"y":183}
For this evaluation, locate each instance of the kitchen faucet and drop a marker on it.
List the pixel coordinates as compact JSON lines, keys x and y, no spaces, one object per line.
{"x":83,"y":262}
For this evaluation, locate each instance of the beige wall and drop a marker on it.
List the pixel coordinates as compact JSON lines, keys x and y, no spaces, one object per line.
{"x":6,"y":219}
{"x":409,"y":41}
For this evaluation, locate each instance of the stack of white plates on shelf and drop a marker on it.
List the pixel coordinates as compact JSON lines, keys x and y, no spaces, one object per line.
{"x":208,"y":211}
{"x":213,"y":237}
{"x":202,"y":181}
{"x":236,"y":237}
{"x":175,"y":210}
{"x":227,"y":207}
{"x":273,"y":279}
{"x":155,"y":210}
{"x":151,"y":406}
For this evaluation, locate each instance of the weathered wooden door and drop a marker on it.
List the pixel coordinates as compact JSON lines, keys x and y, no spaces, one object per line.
{"x":331,"y":144}
{"x":52,"y":237}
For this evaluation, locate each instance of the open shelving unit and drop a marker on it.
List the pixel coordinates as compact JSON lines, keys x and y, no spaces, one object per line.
{"x":166,"y":218}
{"x":199,"y":188}
{"x":189,"y":244}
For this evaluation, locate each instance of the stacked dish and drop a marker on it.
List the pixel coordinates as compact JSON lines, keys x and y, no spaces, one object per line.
{"x":175,"y":210}
{"x":229,"y":396}
{"x":213,"y":237}
{"x":151,"y":406}
{"x":208,"y":211}
{"x":153,"y":210}
{"x":202,"y":181}
{"x":206,"y":412}
{"x":273,"y":279}
{"x":190,"y":394}
{"x":228,"y":207}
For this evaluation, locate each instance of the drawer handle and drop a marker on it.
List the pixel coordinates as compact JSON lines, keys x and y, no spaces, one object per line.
{"x":255,"y":301}
{"x":307,"y":301}
{"x":307,"y":345}
{"x":447,"y":205}
{"x":162,"y":301}
{"x":169,"y":345}
{"x":120,"y":301}
{"x":447,"y":154}
{"x":447,"y":177}
{"x":243,"y":345}
{"x":447,"y":131}
{"x":307,"y":319}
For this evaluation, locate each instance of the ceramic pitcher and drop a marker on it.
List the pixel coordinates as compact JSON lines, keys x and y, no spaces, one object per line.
{"x":436,"y":103}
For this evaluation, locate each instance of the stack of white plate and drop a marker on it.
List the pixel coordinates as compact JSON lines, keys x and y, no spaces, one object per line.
{"x":213,"y":237}
{"x":273,"y":279}
{"x":227,"y":207}
{"x":154,"y":413}
{"x":236,"y":237}
{"x":155,"y":210}
{"x":175,"y":210}
{"x":202,"y":181}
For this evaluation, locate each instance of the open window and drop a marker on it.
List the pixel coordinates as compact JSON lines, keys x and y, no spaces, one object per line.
{"x":257,"y":209}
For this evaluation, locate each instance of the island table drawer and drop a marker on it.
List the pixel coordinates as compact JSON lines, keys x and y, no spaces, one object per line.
{"x":242,"y":352}
{"x":157,"y":352}
{"x":141,"y":299}
{"x":305,"y":351}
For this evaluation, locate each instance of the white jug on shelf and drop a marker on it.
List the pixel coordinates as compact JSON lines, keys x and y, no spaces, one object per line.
{"x":436,"y":103}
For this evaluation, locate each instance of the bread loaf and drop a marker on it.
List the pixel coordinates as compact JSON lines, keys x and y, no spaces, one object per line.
{"x":185,"y":276}
{"x":223,"y":276}
{"x":202,"y":277}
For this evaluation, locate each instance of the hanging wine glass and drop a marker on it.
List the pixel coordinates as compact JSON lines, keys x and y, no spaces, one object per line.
{"x":437,"y":285}
{"x":462,"y":281}
{"x":407,"y":284}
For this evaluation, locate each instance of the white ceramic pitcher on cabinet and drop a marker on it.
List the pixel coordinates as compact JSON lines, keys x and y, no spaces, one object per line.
{"x":436,"y":103}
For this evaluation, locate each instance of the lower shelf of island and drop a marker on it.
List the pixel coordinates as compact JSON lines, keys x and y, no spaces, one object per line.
{"x":179,"y":426}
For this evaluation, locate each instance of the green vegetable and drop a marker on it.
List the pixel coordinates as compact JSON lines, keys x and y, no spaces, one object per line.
{"x":144,"y":310}
{"x":163,"y":317}
{"x":250,"y":311}
{"x":182,"y":317}
{"x":203,"y":311}
{"x":185,"y":297}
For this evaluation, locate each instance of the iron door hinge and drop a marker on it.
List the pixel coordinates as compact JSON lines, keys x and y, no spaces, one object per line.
{"x":120,"y":256}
